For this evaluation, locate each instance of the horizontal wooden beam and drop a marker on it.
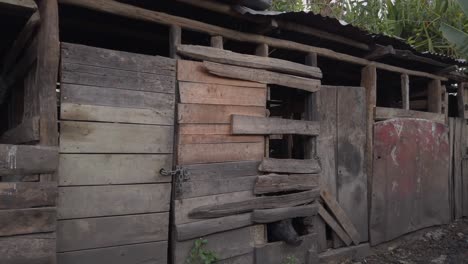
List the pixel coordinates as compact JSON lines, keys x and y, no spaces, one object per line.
{"x":26,"y":132}
{"x":17,"y":7}
{"x":293,"y":166}
{"x":341,"y":255}
{"x":252,"y":125}
{"x":265,"y":202}
{"x":27,"y":160}
{"x":27,"y":221}
{"x":384,"y":113}
{"x":262,"y":76}
{"x":278,"y":252}
{"x":36,"y":248}
{"x":121,"y":9}
{"x":273,"y":183}
{"x":249,"y":61}
{"x":264,"y":216}
{"x":27,"y":194}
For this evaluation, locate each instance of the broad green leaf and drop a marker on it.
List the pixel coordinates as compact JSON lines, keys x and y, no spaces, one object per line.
{"x":464,"y":6}
{"x":456,"y":37}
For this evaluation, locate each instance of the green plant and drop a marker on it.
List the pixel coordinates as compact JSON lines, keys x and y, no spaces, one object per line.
{"x":200,"y":255}
{"x":290,"y":260}
{"x":456,"y":36}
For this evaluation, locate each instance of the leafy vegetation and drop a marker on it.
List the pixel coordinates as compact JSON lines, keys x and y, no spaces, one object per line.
{"x":200,"y":255}
{"x":291,"y":260}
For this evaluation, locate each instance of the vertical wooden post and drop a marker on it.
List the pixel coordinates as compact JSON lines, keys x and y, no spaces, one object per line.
{"x":405,"y":91}
{"x":263,"y":51}
{"x":445,"y":105}
{"x":217,"y":42}
{"x":461,"y":100}
{"x":434,"y":96}
{"x":175,"y":38}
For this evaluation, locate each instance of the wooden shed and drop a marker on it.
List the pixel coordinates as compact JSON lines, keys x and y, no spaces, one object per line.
{"x":130,"y":130}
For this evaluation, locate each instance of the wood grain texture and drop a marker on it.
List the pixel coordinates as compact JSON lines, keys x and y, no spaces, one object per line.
{"x":250,"y":125}
{"x":334,"y":226}
{"x":434,"y":96}
{"x":24,"y":159}
{"x":353,"y":253}
{"x":204,"y":129}
{"x":125,"y":199}
{"x":289,"y":166}
{"x":215,"y":114}
{"x":465,"y":187}
{"x":197,"y":188}
{"x":383,"y":113}
{"x":274,"y":183}
{"x":89,"y":233}
{"x":265,"y":202}
{"x":262,"y":76}
{"x":26,"y":132}
{"x":405,"y":91}
{"x":249,"y":61}
{"x":192,"y":71}
{"x":206,"y":227}
{"x":98,"y":169}
{"x":213,"y":139}
{"x":37,"y":249}
{"x":223,"y":170}
{"x":278,"y":252}
{"x":86,"y":137}
{"x":27,"y":194}
{"x":263,"y":216}
{"x":27,"y":221}
{"x":153,"y":252}
{"x":201,"y":93}
{"x":210,"y":153}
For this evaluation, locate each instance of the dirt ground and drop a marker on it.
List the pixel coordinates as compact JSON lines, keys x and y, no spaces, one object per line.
{"x":445,"y":244}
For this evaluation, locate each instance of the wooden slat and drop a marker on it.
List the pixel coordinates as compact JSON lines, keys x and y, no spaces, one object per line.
{"x":155,"y":252}
{"x":405,"y":86}
{"x":118,"y":79}
{"x":262,"y":76}
{"x":93,"y":201}
{"x":334,"y":226}
{"x":204,"y":129}
{"x":211,"y":226}
{"x":201,"y":93}
{"x":250,"y":125}
{"x":37,"y":249}
{"x":290,"y":166}
{"x":465,"y":187}
{"x":210,"y":153}
{"x":92,"y":233}
{"x":18,"y":7}
{"x":383,"y":113}
{"x":85,"y":137}
{"x":93,"y":56}
{"x":214,"y":114}
{"x":273,"y":215}
{"x":222,"y":170}
{"x":354,"y":253}
{"x":217,"y":42}
{"x":226,"y":244}
{"x":213,"y":139}
{"x":273,"y":183}
{"x":434,"y":96}
{"x":278,"y":252}
{"x":184,"y":206}
{"x":97,"y":169}
{"x":26,"y":132}
{"x":22,"y":159}
{"x":242,"y":259}
{"x":265,"y":202}
{"x":197,"y":188}
{"x":458,"y":151}
{"x":27,"y":221}
{"x":192,"y":71}
{"x":27,"y":194}
{"x":249,"y":61}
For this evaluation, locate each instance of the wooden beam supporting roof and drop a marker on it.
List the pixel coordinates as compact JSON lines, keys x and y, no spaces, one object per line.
{"x":17,"y":7}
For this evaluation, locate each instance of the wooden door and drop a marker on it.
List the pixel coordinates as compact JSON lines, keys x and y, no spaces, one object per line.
{"x":116,"y":134}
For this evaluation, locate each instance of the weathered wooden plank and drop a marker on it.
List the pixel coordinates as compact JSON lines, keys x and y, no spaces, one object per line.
{"x":182,"y":207}
{"x":192,"y":71}
{"x":86,"y":137}
{"x":263,"y":216}
{"x":26,"y":132}
{"x":175,"y":38}
{"x":216,"y":94}
{"x":209,"y":153}
{"x":214,"y":114}
{"x":18,"y":7}
{"x":273,"y":183}
{"x":89,"y":233}
{"x":405,"y":86}
{"x":334,"y":226}
{"x":197,"y":188}
{"x":153,"y":252}
{"x":290,"y":166}
{"x":278,"y":252}
{"x":225,"y":245}
{"x":217,"y":42}
{"x":434,"y":96}
{"x":250,"y":125}
{"x":249,"y":61}
{"x":206,"y":227}
{"x":98,"y":169}
{"x":107,"y":78}
{"x":34,"y":249}
{"x":242,"y":259}
{"x":351,"y":160}
{"x":383,"y":113}
{"x":465,"y":187}
{"x":204,"y":129}
{"x":265,"y":202}
{"x":27,"y":194}
{"x":458,"y":151}
{"x":125,"y":199}
{"x":262,"y":76}
{"x":213,"y":139}
{"x":214,"y":171}
{"x":23,"y":159}
{"x":93,"y":56}
{"x":353,"y":253}
{"x":27,"y":221}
